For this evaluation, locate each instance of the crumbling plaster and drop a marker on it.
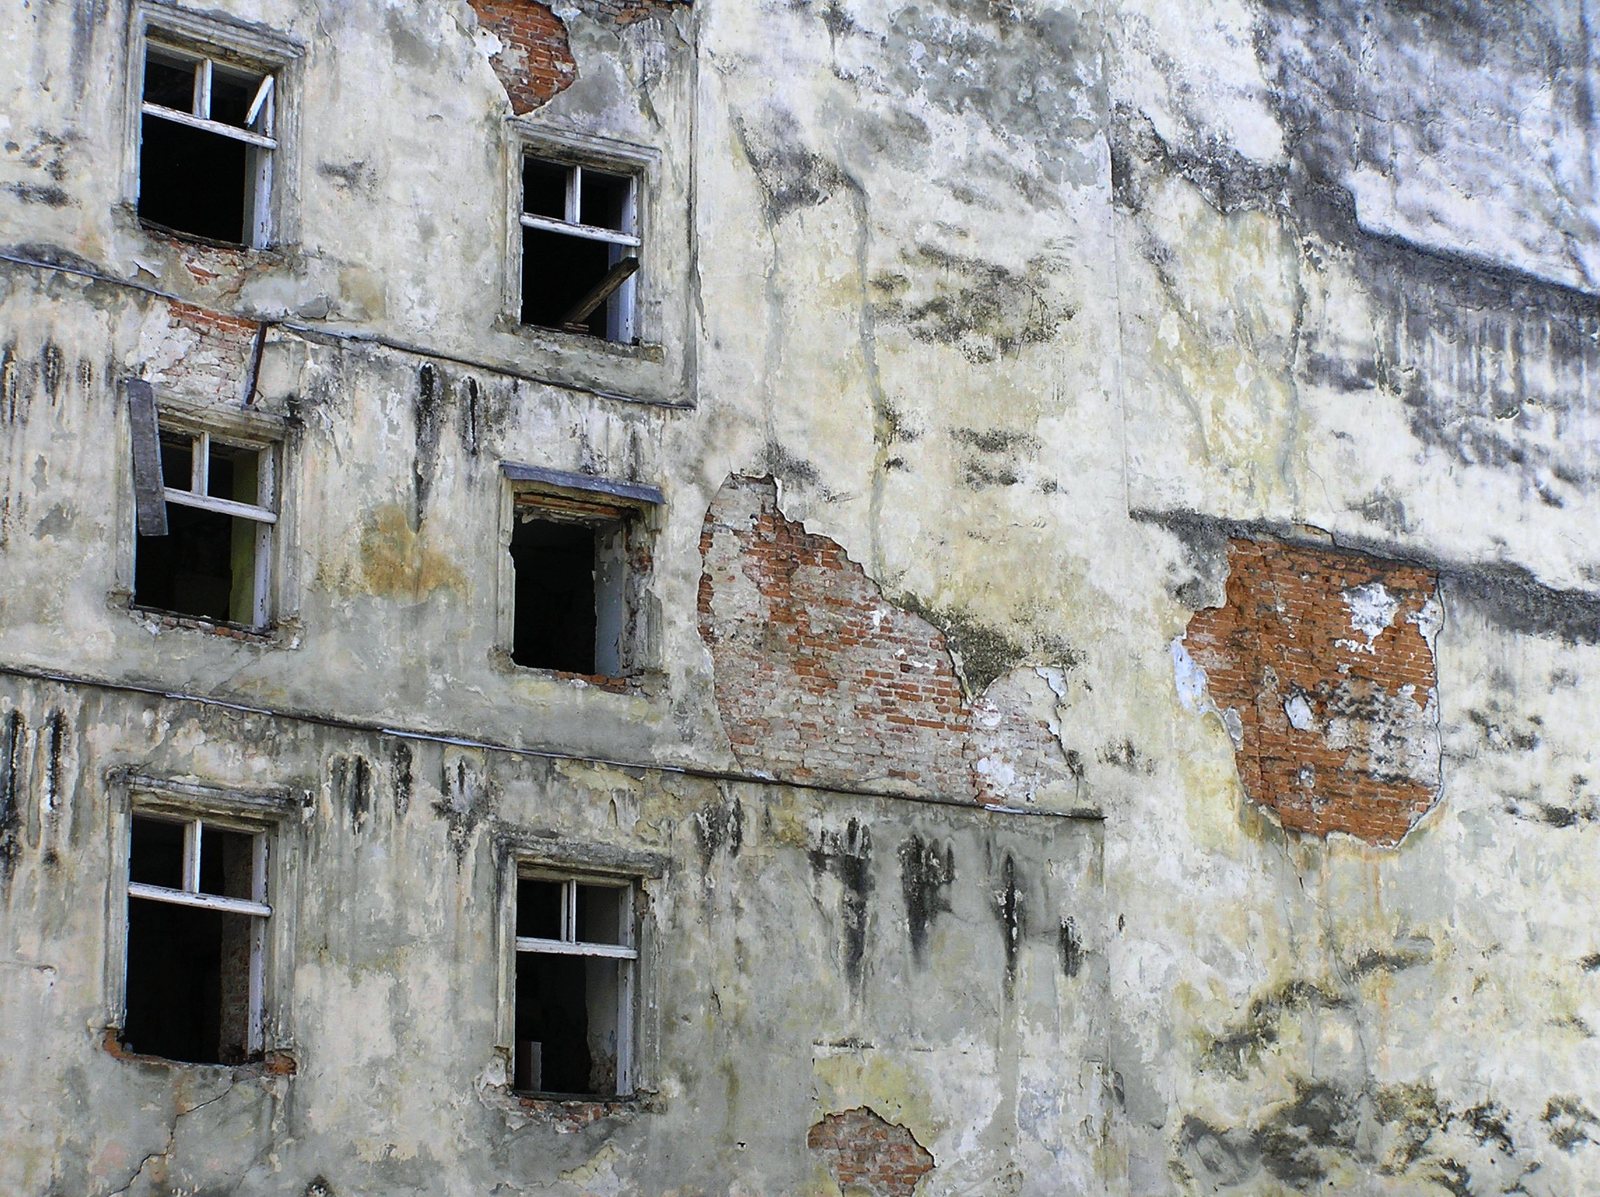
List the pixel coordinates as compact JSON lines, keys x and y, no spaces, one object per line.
{"x":1028,"y":307}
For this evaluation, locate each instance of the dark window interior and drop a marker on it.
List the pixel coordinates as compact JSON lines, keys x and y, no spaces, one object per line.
{"x":600,"y":910}
{"x":156,"y":856}
{"x":169,"y":81}
{"x":205,"y":565}
{"x":539,"y":909}
{"x":192,"y":181}
{"x":555,"y":619}
{"x":603,"y":200}
{"x":552,"y":1025}
{"x":557,"y":272}
{"x":188,"y":983}
{"x":188,"y":994}
{"x":544,"y":188}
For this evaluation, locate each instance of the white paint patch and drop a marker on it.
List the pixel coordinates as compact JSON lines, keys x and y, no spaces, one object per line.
{"x":1372,"y":609}
{"x":1298,"y":711}
{"x":1428,"y":620}
{"x":1191,"y":679}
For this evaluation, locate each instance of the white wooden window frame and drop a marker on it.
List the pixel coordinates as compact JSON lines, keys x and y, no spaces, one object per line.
{"x":214,"y":40}
{"x":263,"y":515}
{"x":626,"y":953}
{"x":255,"y":907}
{"x":621,"y":307}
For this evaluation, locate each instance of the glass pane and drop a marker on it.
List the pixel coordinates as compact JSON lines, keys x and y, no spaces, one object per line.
{"x":177,"y":460}
{"x":227,"y":862}
{"x":605,"y":199}
{"x":600,"y":913}
{"x":539,"y":908}
{"x":544,"y":188}
{"x":155,"y":856}
{"x":169,"y":80}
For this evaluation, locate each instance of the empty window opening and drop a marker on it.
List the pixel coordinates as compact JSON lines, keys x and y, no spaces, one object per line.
{"x":206,"y":138}
{"x":213,"y":561}
{"x":197,"y":914}
{"x":570,"y":601}
{"x":575,"y":955}
{"x":579,"y":249}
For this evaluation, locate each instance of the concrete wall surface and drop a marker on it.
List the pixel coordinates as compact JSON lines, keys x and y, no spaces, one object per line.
{"x":1107,"y":601}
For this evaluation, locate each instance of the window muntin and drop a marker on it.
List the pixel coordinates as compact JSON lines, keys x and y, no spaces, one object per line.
{"x":215,"y":559}
{"x":207,"y":135}
{"x":197,"y":916}
{"x":575,"y":948}
{"x":580,"y":248}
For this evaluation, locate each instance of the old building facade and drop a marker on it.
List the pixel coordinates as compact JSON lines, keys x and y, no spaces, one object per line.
{"x":798,"y":596}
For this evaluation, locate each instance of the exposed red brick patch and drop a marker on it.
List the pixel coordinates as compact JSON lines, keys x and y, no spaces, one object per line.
{"x":534,"y":62}
{"x":864,"y":1151}
{"x":1322,"y":664}
{"x":821,"y":679}
{"x":213,"y":352}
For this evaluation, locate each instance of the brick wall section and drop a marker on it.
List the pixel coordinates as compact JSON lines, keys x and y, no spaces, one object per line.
{"x":535,"y":62}
{"x":874,"y":1156}
{"x":201,"y":353}
{"x":821,"y":679}
{"x":1325,"y":660}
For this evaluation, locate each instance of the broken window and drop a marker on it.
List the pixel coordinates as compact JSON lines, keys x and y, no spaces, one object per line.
{"x":579,"y":561}
{"x":197,"y":917}
{"x":580,"y":248}
{"x":206,"y":144}
{"x":575,"y":956}
{"x":207,"y":508}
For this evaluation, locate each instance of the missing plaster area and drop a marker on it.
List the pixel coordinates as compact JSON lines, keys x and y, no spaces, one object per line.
{"x":821,"y":679}
{"x":868,"y":1155}
{"x":1321,"y":665}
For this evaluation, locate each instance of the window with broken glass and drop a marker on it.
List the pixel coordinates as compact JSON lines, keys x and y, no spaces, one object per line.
{"x":580,"y":248}
{"x":207,"y":510}
{"x":196,"y":937}
{"x":573,"y":983}
{"x":207,"y":137}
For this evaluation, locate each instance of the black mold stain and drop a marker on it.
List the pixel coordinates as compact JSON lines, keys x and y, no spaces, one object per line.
{"x":1009,"y":910}
{"x":1489,"y":1124}
{"x":791,"y":176}
{"x":469,"y":419}
{"x":983,"y":309}
{"x":719,"y":825}
{"x":1071,"y":948}
{"x":1570,"y":1122}
{"x":12,"y":731}
{"x":53,"y":370}
{"x":778,"y":462}
{"x":55,"y":739}
{"x":352,"y":787}
{"x":402,"y":780}
{"x":1259,"y":1030}
{"x":429,"y":402}
{"x":468,"y":799}
{"x":1590,"y":963}
{"x":848,"y":856}
{"x":925,"y":877}
{"x":47,"y":194}
{"x":982,"y":653}
{"x":8,"y":383}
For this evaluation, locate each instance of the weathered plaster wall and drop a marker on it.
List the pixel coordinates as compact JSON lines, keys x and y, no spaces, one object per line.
{"x":1042,"y":319}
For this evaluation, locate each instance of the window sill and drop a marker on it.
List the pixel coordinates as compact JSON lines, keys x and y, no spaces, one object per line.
{"x":275,"y":635}
{"x":555,"y":339}
{"x":567,"y":1115}
{"x":277,"y":1063}
{"x":635,"y":685}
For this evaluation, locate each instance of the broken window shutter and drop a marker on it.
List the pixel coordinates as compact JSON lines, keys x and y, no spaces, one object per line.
{"x":148,"y":485}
